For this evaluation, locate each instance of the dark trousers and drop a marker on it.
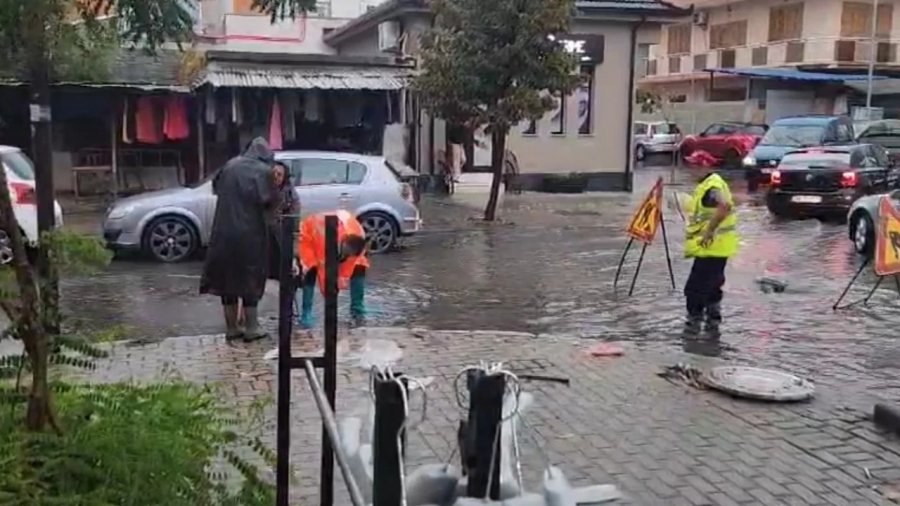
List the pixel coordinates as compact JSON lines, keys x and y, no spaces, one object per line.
{"x":229,"y":300}
{"x":704,"y":286}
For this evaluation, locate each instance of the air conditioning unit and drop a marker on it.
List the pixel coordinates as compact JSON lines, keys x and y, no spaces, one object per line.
{"x":701,"y":18}
{"x":389,"y":37}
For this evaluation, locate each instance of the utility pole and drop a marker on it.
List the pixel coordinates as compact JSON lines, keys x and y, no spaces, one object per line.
{"x":873,"y":52}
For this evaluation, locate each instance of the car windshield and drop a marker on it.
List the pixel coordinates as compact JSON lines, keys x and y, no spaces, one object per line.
{"x":817,"y":160}
{"x":881,"y":129}
{"x":19,"y":164}
{"x":794,"y":135}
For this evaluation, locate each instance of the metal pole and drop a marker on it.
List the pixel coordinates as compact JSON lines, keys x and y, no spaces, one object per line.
{"x":622,"y":262}
{"x":662,"y":222}
{"x":285,"y":318}
{"x":485,"y":419}
{"x":872,"y":55}
{"x":390,"y":415}
{"x":326,"y":487}
{"x":331,"y":429}
{"x":837,"y":303}
{"x":637,"y":270}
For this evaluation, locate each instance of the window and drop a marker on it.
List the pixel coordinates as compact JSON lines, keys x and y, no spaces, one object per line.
{"x":319,"y":171}
{"x":586,"y":100}
{"x":640,"y":129}
{"x":726,"y":35}
{"x":679,"y":39}
{"x":530,"y":127}
{"x":856,"y":19}
{"x":818,"y":160}
{"x":18,"y":164}
{"x":793,"y":136}
{"x":754,"y":130}
{"x":714,"y":129}
{"x":559,"y":117}
{"x":786,"y":22}
{"x":323,"y":9}
{"x":843,"y":133}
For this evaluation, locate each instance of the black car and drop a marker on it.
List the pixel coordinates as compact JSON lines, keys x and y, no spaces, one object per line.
{"x":825,"y":181}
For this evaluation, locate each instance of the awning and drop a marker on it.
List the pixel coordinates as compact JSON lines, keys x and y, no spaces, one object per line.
{"x":247,"y":75}
{"x":885,"y":87}
{"x":794,"y":75}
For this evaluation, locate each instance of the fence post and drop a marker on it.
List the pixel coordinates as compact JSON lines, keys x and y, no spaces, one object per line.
{"x":386,"y":457}
{"x":483,"y":438}
{"x":326,"y":485}
{"x":285,"y":320}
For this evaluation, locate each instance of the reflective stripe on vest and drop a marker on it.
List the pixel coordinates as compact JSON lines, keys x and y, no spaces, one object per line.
{"x":725,"y":238}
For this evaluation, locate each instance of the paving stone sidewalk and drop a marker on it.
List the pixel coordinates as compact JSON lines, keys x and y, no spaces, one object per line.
{"x":618,"y":422}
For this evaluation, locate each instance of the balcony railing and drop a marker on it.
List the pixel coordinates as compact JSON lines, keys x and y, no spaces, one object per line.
{"x":833,"y":51}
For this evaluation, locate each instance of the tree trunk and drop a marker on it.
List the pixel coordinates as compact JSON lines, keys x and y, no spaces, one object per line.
{"x":27,"y":323}
{"x":498,"y":151}
{"x":469,"y":149}
{"x":43,"y":179}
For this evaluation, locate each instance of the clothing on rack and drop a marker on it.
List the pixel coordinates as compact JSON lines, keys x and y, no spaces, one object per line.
{"x":312,"y":105}
{"x":275,"y":131}
{"x":126,"y":121}
{"x":176,"y":126}
{"x":147,"y":123}
{"x":210,"y":109}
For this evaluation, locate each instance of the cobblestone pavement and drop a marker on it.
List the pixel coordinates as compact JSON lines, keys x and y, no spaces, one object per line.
{"x":618,"y":422}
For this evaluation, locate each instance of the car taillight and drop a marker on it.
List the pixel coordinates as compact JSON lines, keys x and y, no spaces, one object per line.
{"x":849,"y":179}
{"x":22,"y":193}
{"x":775,"y":177}
{"x":406,"y":192}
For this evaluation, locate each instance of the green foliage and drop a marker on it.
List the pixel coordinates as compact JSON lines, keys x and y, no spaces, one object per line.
{"x":649,"y":102}
{"x":284,"y":9}
{"x":170,"y":444}
{"x":493,"y":62}
{"x":75,"y":254}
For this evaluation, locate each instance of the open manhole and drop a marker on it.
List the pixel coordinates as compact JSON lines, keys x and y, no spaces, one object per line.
{"x":760,"y":384}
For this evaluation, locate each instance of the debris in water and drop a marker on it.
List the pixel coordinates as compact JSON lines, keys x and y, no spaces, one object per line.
{"x":606,"y":350}
{"x":683,"y":372}
{"x":771,"y":285}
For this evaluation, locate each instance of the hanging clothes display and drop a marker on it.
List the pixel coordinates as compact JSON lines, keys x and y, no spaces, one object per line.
{"x":290,"y":106}
{"x":148,"y":127}
{"x":237,"y":116}
{"x":275,"y":136}
{"x":176,"y":126}
{"x":210,"y":109}
{"x":126,"y":121}
{"x":312,"y":105}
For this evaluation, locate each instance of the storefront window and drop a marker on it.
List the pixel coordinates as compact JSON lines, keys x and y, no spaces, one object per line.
{"x":585,"y":95}
{"x":558,"y":119}
{"x":530,"y":127}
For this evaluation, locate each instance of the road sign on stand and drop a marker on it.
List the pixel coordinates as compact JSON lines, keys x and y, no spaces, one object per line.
{"x":887,"y":239}
{"x":646,"y":219}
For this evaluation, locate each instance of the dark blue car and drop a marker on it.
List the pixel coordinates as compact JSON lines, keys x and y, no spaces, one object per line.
{"x":789,"y":134}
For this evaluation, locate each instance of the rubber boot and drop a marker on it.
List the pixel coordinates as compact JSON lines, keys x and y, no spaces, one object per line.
{"x":308,"y":296}
{"x":713,"y":318}
{"x":252,"y":331}
{"x":232,"y":329}
{"x":692,"y":324}
{"x":358,"y":299}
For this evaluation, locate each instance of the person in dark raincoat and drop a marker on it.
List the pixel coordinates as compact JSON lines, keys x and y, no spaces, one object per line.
{"x":236,"y":261}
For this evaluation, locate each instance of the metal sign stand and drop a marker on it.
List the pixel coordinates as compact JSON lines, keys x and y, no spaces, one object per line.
{"x":837,"y":305}
{"x":325,"y":398}
{"x":483,"y":433}
{"x":390,"y":418}
{"x":637,"y":270}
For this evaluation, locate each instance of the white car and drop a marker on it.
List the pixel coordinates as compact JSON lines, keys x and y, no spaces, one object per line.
{"x":20,"y":181}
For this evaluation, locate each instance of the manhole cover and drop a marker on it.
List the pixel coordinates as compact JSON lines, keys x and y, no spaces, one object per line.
{"x":762,"y":384}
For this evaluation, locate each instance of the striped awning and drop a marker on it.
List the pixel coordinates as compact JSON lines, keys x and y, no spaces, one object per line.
{"x":247,"y":75}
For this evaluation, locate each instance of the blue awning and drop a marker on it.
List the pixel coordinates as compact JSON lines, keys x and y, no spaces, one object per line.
{"x":794,"y":75}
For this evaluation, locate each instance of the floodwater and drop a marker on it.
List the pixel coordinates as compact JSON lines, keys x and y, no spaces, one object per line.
{"x":549,"y":268}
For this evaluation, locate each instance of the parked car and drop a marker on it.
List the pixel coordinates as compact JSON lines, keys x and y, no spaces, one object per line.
{"x":726,"y":141}
{"x":861,"y":220}
{"x":885,"y":133}
{"x":171,"y":225}
{"x":788,"y":134}
{"x":20,"y":180}
{"x":655,"y":137}
{"x":825,"y":181}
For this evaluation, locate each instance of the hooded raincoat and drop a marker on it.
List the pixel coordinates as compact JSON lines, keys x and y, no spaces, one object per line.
{"x":236,"y":261}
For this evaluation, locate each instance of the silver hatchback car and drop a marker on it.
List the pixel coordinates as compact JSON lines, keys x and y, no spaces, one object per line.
{"x":171,"y":225}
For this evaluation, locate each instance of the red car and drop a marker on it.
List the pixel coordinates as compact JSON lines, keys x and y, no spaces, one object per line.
{"x":728,"y":142}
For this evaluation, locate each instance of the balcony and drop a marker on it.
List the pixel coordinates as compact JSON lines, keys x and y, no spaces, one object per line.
{"x":256,"y":33}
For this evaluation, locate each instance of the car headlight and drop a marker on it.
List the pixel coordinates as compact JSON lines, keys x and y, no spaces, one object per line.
{"x":749,"y":161}
{"x":119,"y":212}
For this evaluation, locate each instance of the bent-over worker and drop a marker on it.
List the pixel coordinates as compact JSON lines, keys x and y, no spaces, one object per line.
{"x":711,"y":238}
{"x":352,"y":262}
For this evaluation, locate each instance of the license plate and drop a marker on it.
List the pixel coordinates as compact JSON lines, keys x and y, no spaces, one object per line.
{"x":806,"y":199}
{"x":767,"y":171}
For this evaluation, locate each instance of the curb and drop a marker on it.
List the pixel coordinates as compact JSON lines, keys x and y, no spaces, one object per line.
{"x":887,"y":417}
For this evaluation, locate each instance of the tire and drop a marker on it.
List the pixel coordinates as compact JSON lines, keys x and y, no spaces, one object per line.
{"x":685,"y":151}
{"x":170,"y":239}
{"x":862,"y":233}
{"x":6,"y":250}
{"x":382,"y":231}
{"x":640,"y":152}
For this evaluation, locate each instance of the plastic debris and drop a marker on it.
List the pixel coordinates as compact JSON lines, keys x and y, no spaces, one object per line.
{"x":702,"y":158}
{"x":606,"y":350}
{"x":771,"y":285}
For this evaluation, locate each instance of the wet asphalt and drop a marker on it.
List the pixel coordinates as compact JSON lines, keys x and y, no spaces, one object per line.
{"x":548,"y":267}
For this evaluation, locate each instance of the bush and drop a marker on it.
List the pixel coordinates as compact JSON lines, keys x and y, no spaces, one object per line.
{"x":168,"y":444}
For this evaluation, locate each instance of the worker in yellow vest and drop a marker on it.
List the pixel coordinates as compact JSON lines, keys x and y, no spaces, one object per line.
{"x":711,"y":238}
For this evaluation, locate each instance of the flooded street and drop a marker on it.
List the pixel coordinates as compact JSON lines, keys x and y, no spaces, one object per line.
{"x":548,"y":269}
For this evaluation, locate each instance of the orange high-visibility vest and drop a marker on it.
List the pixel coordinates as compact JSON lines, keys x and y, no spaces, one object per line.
{"x":311,"y":246}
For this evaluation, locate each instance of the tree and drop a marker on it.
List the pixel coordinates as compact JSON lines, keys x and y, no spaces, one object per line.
{"x":494,"y":64}
{"x":41,"y":37}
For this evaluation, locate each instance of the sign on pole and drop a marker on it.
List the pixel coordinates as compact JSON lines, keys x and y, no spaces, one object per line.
{"x":887,"y":239}
{"x":646,"y":219}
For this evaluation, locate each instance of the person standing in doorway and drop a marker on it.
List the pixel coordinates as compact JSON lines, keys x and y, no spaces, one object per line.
{"x":236,"y":261}
{"x":711,"y":238}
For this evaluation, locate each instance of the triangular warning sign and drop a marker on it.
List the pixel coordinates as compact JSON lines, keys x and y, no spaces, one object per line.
{"x":887,"y":239}
{"x":645,"y":222}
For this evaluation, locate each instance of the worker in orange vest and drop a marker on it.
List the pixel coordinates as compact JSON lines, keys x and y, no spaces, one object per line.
{"x":352,"y":262}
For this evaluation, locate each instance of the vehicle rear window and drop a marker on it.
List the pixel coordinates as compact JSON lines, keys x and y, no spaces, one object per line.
{"x":667,"y":128}
{"x":18,"y":164}
{"x":793,"y":135}
{"x":824,"y":160}
{"x":319,"y":171}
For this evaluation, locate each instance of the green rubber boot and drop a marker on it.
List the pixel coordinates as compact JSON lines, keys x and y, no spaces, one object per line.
{"x":306,"y":306}
{"x":358,"y":297}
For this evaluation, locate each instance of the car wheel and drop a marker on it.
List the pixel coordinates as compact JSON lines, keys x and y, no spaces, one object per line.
{"x":170,"y":239}
{"x":381,"y":231}
{"x":732,"y":159}
{"x":862,"y":232}
{"x":640,"y":152}
{"x":6,"y":250}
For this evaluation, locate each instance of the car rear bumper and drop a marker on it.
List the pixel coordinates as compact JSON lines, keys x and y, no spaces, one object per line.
{"x":661,"y":147}
{"x":411,"y":224}
{"x":830,"y":203}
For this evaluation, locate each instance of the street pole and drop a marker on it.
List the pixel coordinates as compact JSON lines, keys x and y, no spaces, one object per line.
{"x":872,"y":54}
